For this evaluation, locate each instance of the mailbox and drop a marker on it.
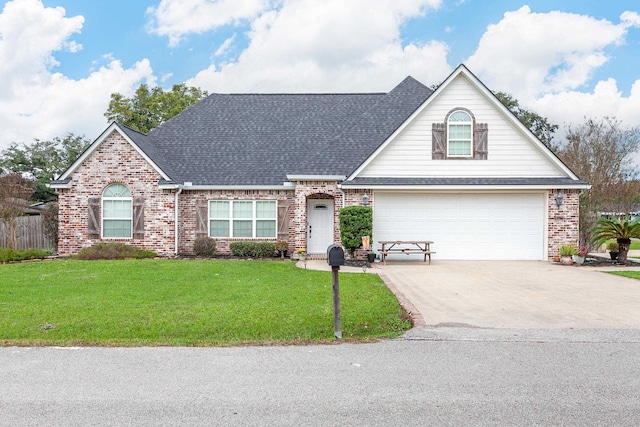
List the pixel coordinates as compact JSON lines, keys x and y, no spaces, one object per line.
{"x":335,"y":255}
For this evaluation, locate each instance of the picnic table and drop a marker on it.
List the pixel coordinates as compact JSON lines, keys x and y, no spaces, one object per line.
{"x":406,"y":247}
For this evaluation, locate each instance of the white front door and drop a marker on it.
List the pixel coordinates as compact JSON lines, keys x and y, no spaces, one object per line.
{"x":319,"y":225}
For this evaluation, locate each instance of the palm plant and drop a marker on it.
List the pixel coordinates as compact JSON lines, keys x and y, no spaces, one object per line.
{"x":623,"y":230}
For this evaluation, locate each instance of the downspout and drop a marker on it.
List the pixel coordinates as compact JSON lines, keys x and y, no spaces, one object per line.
{"x":176,"y":222}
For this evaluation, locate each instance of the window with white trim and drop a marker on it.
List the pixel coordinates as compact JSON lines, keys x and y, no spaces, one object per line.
{"x":117,"y":211}
{"x":243,"y":218}
{"x":459,"y":134}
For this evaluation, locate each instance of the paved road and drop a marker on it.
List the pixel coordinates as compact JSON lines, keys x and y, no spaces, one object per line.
{"x":432,"y":376}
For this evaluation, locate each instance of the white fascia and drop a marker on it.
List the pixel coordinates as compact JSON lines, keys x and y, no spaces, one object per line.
{"x":316,"y":177}
{"x":58,"y":186}
{"x":465,"y":188}
{"x":228,"y":187}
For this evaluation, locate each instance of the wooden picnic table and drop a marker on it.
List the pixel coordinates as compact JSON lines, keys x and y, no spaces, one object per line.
{"x":407,"y":247}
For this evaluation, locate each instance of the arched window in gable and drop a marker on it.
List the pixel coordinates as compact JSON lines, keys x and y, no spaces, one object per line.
{"x":459,"y":137}
{"x":459,"y":134}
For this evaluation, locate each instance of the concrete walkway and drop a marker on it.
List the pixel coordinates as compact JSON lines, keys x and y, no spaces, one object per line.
{"x":513,"y":294}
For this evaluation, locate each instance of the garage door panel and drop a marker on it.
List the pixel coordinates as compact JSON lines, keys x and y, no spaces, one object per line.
{"x":465,"y":226}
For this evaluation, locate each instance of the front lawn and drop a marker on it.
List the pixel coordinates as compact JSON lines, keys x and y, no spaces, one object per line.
{"x":187,"y":303}
{"x":630,"y":274}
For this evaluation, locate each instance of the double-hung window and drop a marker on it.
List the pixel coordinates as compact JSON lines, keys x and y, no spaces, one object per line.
{"x":117,"y":211}
{"x":459,"y":134}
{"x":242,"y":218}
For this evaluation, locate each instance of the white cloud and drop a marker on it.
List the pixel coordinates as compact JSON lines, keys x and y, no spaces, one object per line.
{"x":333,"y":45}
{"x":225,"y":46}
{"x":630,"y":19}
{"x":176,"y":18}
{"x":36,"y":102}
{"x":536,"y":53}
{"x":605,"y":100}
{"x":544,"y":59}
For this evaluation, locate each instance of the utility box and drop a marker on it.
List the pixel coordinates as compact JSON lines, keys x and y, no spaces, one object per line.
{"x":335,"y":255}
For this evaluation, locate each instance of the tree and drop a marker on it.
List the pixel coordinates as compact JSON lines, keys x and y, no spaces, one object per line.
{"x":15,"y":191}
{"x":149,"y":108}
{"x":540,"y":126}
{"x":601,"y":153}
{"x":623,"y":230}
{"x":42,"y":161}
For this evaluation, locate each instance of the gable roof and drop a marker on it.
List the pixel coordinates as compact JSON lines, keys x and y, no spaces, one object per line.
{"x":139,"y":141}
{"x":268,"y":140}
{"x":463,"y":71}
{"x":259,"y":139}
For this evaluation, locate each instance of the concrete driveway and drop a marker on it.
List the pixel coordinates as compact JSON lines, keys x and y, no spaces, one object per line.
{"x":516,"y":294}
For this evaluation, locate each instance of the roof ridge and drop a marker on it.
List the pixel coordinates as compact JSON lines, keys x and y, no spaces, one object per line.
{"x":297,"y":94}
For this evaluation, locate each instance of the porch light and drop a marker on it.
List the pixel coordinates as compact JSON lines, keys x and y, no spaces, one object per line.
{"x":365,"y":200}
{"x":559,"y":198}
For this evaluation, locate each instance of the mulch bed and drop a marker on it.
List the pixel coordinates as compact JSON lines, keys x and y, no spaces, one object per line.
{"x":357,"y":263}
{"x":608,"y":262}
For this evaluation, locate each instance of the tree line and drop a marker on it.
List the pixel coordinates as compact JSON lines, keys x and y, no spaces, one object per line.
{"x":600,"y":151}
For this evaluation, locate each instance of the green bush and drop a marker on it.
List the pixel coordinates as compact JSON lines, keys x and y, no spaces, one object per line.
{"x":355,"y":222}
{"x":114,"y":250}
{"x":568,"y":250}
{"x":8,"y":254}
{"x":204,"y":246}
{"x":253,"y":249}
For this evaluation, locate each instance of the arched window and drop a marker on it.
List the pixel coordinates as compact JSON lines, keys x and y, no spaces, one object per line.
{"x":117,"y":211}
{"x":459,"y":137}
{"x":459,"y":134}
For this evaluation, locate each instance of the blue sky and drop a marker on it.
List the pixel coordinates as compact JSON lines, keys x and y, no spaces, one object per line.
{"x":564,"y":59}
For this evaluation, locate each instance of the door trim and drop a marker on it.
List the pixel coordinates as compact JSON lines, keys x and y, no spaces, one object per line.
{"x":319,"y":246}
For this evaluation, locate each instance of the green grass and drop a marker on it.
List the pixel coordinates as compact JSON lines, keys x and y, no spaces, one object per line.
{"x":187,"y":303}
{"x":630,"y":274}
{"x":635,"y":244}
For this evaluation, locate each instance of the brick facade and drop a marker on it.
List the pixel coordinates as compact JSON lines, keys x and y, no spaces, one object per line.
{"x":189,"y":199}
{"x":116,"y":161}
{"x":563,"y":222}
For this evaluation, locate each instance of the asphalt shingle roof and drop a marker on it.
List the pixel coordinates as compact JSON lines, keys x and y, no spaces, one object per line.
{"x":259,"y":139}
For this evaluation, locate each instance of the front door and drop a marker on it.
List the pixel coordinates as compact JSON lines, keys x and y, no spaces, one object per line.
{"x":319,"y":225}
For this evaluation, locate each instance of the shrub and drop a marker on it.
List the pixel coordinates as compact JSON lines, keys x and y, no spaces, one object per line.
{"x":623,"y":230}
{"x":8,"y":254}
{"x":613,"y":246}
{"x":204,"y":246}
{"x":355,"y":222}
{"x":253,"y":249}
{"x":568,"y":250}
{"x":114,"y":250}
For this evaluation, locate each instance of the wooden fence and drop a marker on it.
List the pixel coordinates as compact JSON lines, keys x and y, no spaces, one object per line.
{"x":30,"y":234}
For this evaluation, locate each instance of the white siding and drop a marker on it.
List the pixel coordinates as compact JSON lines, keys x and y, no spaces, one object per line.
{"x":511,"y":153}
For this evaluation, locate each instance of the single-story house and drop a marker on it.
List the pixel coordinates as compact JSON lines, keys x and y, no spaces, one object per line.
{"x":453,"y":166}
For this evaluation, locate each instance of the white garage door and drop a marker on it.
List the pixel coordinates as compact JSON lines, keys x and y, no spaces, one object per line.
{"x":465,"y":226}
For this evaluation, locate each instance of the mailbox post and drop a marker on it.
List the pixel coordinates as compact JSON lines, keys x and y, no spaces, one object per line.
{"x":335,"y":258}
